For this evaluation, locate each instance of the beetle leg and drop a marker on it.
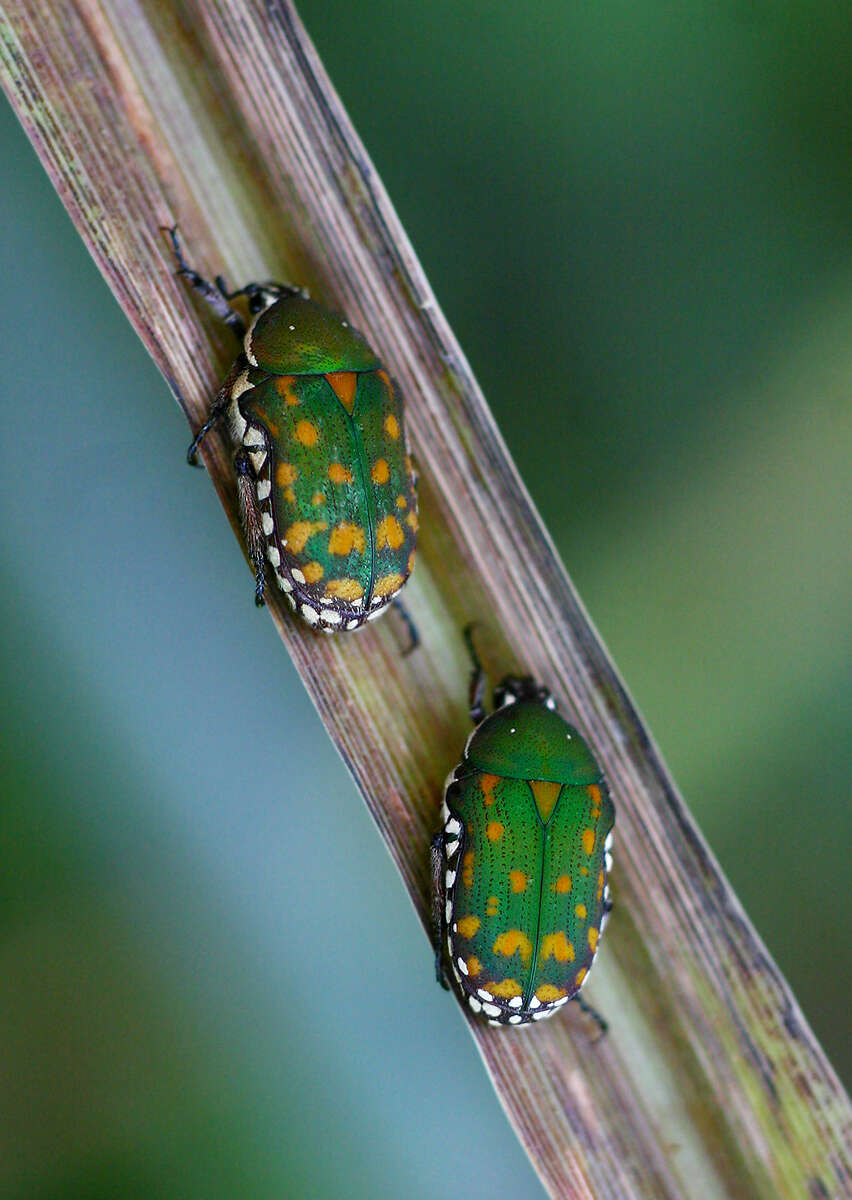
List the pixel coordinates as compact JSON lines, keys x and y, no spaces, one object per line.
{"x":218,"y":410}
{"x":215,"y":297}
{"x":413,"y":633}
{"x":216,"y":414}
{"x":250,"y":513}
{"x":591,"y":1012}
{"x":438,"y":859}
{"x":477,"y":678}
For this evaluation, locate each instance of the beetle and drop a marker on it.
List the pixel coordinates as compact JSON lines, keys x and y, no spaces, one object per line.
{"x":326,"y":486}
{"x":519,"y":870}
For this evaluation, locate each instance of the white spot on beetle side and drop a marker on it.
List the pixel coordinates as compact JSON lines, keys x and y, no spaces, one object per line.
{"x":268,"y":525}
{"x":515,"y":1020}
{"x":353,"y":624}
{"x":331,"y":617}
{"x":481,"y":992}
{"x":453,"y":827}
{"x":462,"y":965}
{"x":491,"y":1010}
{"x":516,"y":1002}
{"x":297,"y":575}
{"x":474,"y":1004}
{"x":309,"y":614}
{"x":241,"y":384}
{"x":535,"y":1002}
{"x":264,"y":487}
{"x":274,"y":555}
{"x":608,"y":842}
{"x":283,"y":582}
{"x":450,"y":878}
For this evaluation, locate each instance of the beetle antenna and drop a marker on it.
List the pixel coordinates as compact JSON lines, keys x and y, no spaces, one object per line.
{"x":478,"y":680}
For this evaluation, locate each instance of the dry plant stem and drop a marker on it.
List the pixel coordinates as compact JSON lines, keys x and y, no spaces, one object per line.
{"x":220,"y":116}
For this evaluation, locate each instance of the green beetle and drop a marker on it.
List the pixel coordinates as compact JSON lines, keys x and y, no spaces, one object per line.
{"x":519,"y":869}
{"x":326,"y":486}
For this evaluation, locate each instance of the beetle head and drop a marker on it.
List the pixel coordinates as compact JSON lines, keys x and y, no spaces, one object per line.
{"x":521,"y":687}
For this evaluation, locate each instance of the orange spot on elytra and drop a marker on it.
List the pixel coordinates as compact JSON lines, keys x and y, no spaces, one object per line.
{"x":488,"y":783}
{"x":267,"y":422}
{"x":306,"y":433}
{"x":391,"y":426}
{"x":285,"y":474}
{"x":557,"y":945}
{"x":317,"y":499}
{"x":389,"y":533}
{"x":411,"y":521}
{"x":474,"y":966}
{"x":518,"y":881}
{"x":386,"y":379}
{"x":313,"y":572}
{"x":289,"y":495}
{"x":514,"y":941}
{"x":588,"y":840}
{"x":584,"y":870}
{"x":344,"y":385}
{"x":493,"y":906}
{"x":580,"y":912}
{"x":283,"y":384}
{"x":344,"y":589}
{"x":380,"y":472}
{"x":599,"y":892}
{"x":593,"y":938}
{"x":385,"y":585}
{"x":468,"y":926}
{"x":345,"y":538}
{"x":563,"y":884}
{"x":410,"y":564}
{"x":298,"y":533}
{"x":494,"y":830}
{"x":547,"y":993}
{"x":467,"y":869}
{"x":580,"y":976}
{"x":337,"y":473}
{"x":401,"y":502}
{"x":507,"y":988}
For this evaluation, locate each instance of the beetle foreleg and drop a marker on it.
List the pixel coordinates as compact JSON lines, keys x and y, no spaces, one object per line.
{"x":477,"y":678}
{"x":250,"y":513}
{"x":212,"y":295}
{"x":438,"y":860}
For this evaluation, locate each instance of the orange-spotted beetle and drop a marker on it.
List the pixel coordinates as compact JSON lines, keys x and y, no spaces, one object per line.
{"x":326,"y":485}
{"x":519,"y":869}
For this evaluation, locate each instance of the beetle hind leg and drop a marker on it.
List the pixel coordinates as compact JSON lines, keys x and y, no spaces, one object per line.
{"x":252,"y":521}
{"x":586,"y":1008}
{"x":413,"y":632}
{"x":438,"y":860}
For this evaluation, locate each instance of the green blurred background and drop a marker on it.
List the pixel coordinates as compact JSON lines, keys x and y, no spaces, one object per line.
{"x":637,"y":218}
